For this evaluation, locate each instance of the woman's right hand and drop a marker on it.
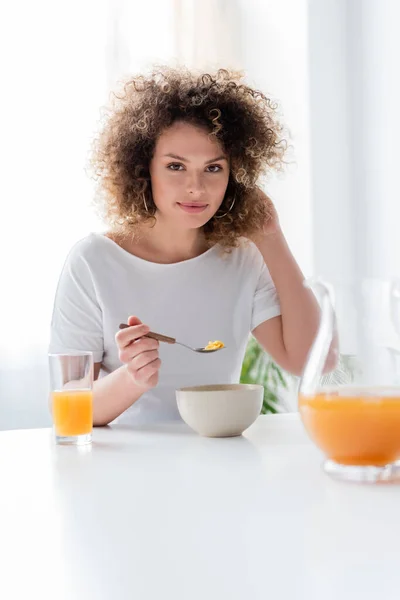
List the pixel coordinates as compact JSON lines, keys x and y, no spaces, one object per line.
{"x":139,"y":353}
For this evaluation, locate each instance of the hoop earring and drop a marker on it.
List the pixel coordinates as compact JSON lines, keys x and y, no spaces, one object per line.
{"x":228,"y":211}
{"x":145,"y":203}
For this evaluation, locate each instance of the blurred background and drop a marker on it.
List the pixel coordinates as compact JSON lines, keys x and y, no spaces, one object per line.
{"x":330,"y":64}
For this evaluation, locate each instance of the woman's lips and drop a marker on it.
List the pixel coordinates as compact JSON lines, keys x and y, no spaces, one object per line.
{"x":192,"y":207}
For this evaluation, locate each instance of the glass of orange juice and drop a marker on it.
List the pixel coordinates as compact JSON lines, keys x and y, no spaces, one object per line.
{"x":349,"y":395}
{"x":71,"y":380}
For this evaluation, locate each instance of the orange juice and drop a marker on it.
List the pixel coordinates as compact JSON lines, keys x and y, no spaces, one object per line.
{"x":354,"y":426}
{"x":72,"y":412}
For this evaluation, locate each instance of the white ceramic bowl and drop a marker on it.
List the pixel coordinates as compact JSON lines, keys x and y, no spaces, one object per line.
{"x":220,"y":410}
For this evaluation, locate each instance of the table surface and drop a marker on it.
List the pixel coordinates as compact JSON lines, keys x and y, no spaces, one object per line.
{"x":164,"y":513}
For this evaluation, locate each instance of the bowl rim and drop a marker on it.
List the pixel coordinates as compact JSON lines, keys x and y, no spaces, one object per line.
{"x":222,"y":387}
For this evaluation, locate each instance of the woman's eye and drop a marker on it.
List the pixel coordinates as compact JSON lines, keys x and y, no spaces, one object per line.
{"x":175,"y":167}
{"x":214,"y":168}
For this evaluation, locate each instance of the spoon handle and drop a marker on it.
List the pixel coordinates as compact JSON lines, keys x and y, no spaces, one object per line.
{"x":161,"y":338}
{"x":154,"y":336}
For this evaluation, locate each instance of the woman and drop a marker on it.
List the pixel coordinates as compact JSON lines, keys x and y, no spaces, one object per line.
{"x":194,"y":248}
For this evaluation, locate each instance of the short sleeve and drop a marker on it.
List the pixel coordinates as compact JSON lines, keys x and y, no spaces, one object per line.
{"x":77,"y":322}
{"x":266,"y":302}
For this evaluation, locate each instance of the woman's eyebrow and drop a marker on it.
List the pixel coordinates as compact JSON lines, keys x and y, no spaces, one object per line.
{"x":177,"y":157}
{"x":221,"y":157}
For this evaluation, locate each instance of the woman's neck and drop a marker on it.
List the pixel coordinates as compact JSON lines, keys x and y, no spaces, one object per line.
{"x":162,"y":244}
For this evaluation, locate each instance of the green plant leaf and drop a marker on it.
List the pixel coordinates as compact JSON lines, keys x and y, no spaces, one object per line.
{"x":259,"y":368}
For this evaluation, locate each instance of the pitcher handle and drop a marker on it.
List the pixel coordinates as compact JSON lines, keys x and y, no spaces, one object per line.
{"x":319,"y":351}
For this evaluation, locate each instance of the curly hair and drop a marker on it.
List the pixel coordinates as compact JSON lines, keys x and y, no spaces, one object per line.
{"x":243,"y":120}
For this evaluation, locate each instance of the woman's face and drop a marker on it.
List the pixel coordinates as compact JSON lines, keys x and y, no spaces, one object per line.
{"x":189,"y":175}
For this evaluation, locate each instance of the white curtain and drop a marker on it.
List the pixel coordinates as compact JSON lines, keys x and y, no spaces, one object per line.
{"x":208,"y":33}
{"x":53,"y":82}
{"x":354,"y":100}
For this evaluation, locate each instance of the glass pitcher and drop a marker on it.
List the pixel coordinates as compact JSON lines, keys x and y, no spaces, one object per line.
{"x":353,"y":413}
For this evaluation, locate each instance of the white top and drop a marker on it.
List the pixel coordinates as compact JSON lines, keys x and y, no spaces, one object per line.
{"x":156,"y":511}
{"x":210,"y":297}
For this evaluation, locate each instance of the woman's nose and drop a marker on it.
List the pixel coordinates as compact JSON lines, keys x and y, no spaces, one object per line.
{"x":195,"y":186}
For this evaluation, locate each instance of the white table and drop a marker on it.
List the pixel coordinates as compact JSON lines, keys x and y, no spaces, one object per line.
{"x":165,"y":514}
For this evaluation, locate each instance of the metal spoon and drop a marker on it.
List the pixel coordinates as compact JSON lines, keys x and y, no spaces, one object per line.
{"x":170,"y":340}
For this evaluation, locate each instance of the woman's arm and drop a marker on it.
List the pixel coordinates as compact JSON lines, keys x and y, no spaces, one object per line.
{"x":116,"y":392}
{"x":112,"y":395}
{"x":288,"y":338}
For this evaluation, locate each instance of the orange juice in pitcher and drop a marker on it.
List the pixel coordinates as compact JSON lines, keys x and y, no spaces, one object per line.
{"x":354,"y":426}
{"x":353,"y":413}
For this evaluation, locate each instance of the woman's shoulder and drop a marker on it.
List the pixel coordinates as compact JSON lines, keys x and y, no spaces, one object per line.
{"x":245,"y":254}
{"x":90,"y":247}
{"x":88,"y":255}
